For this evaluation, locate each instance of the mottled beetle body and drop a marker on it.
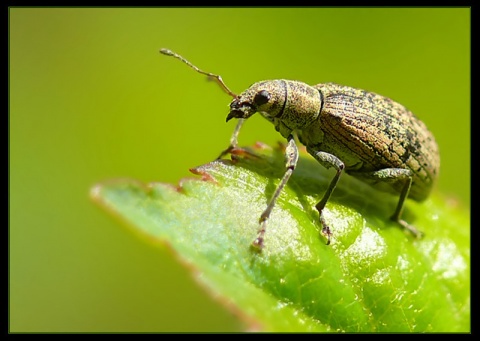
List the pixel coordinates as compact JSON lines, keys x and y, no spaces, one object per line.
{"x":367,"y":131}
{"x":369,"y":136}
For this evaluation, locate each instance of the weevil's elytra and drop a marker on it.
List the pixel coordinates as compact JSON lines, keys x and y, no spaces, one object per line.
{"x":369,"y":136}
{"x":381,"y":133}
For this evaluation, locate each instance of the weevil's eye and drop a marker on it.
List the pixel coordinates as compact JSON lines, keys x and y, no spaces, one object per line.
{"x":261,"y":97}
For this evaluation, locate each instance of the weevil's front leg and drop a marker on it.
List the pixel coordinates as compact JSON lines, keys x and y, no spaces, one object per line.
{"x":291,"y":157}
{"x":395,"y":175}
{"x":233,"y":139}
{"x":327,"y":160}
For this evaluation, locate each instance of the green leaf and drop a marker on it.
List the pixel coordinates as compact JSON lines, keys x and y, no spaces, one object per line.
{"x":373,"y":277}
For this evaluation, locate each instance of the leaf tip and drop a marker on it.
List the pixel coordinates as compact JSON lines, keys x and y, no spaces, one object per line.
{"x":94,"y":192}
{"x":261,"y":146}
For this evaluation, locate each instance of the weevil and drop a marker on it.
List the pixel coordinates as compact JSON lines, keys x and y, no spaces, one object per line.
{"x":366,"y":135}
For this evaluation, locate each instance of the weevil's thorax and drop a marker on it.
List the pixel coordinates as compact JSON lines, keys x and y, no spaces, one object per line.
{"x":289,"y":103}
{"x":302,"y":105}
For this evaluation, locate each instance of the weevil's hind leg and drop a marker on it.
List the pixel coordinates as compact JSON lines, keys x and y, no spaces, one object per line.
{"x":291,"y":157}
{"x":327,"y":160}
{"x":396,"y":175}
{"x":405,"y":176}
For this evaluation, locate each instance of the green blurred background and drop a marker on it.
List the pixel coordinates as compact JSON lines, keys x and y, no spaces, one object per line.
{"x":92,"y":99}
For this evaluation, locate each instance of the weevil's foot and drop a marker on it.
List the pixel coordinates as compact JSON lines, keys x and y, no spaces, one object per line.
{"x":244,"y":153}
{"x":237,"y":151}
{"x":225,"y":152}
{"x":258,"y":243}
{"x":325,"y":229}
{"x":410,"y":228}
{"x":326,"y":232}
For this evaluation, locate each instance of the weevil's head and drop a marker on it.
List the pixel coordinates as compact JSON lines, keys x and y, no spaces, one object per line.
{"x":266,"y":97}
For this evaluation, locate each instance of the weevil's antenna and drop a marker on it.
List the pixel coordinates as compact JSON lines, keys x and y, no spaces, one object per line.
{"x":217,"y":77}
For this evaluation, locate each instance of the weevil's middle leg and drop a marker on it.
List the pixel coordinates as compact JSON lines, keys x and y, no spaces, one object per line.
{"x":291,"y":156}
{"x":327,"y":160}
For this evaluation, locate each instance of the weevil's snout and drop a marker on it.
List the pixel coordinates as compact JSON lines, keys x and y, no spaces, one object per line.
{"x":240,"y":109}
{"x":258,"y":97}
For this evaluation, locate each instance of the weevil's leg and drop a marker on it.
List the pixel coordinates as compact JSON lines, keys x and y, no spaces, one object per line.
{"x":327,"y":160}
{"x":395,"y":175}
{"x":233,"y":139}
{"x":291,"y":158}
